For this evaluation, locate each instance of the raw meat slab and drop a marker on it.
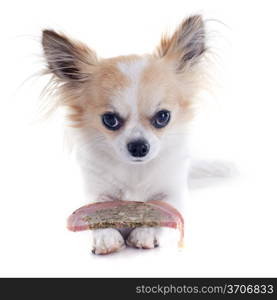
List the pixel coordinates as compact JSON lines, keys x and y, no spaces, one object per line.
{"x":126,"y":214}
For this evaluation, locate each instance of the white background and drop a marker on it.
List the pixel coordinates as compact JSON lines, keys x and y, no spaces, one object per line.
{"x":230,"y":227}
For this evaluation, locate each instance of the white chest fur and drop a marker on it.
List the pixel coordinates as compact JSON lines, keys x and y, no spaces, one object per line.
{"x":107,"y":179}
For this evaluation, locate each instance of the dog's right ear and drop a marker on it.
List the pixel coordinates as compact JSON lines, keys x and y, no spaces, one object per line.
{"x":67,"y":59}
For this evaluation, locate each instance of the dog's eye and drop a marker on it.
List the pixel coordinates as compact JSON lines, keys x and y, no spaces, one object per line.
{"x":112,"y":121}
{"x":161,"y":119}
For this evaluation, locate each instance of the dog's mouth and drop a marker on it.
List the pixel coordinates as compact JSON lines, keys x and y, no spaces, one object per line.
{"x":139,"y":161}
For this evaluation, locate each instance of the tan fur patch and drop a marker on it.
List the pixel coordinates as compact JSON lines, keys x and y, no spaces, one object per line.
{"x":76,"y":115}
{"x":93,"y":97}
{"x":160,"y":89}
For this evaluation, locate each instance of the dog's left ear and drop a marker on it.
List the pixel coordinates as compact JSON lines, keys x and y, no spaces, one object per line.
{"x":186,"y":45}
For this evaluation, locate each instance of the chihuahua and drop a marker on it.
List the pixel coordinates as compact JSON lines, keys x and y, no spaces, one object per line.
{"x":129,"y":117}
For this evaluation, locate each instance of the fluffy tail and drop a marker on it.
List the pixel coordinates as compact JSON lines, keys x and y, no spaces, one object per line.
{"x":206,"y":172}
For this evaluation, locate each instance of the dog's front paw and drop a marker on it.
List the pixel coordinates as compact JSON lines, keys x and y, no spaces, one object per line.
{"x":143,"y":238}
{"x":105,"y":241}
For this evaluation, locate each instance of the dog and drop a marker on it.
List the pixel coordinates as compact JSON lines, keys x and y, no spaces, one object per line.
{"x":129,"y":119}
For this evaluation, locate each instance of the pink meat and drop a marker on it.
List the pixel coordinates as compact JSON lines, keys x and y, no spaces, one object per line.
{"x":86,"y":217}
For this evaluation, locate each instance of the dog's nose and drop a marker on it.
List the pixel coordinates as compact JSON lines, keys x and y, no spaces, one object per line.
{"x":138,"y":148}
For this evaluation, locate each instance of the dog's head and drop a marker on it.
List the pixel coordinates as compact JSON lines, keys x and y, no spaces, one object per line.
{"x":131,"y":106}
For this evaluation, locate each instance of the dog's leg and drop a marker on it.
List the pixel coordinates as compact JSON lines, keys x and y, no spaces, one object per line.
{"x":144,"y":238}
{"x":105,"y":241}
{"x":151,"y":237}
